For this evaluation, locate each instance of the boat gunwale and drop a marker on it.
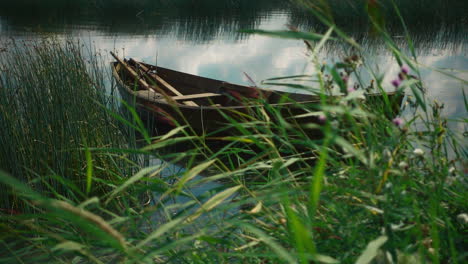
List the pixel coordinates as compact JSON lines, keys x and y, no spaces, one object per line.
{"x":165,"y":102}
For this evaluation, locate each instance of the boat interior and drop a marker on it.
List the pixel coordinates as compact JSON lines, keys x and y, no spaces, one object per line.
{"x":199,"y":91}
{"x":194,"y":91}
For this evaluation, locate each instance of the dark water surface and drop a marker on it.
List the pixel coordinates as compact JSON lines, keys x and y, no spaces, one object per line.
{"x":202,"y":37}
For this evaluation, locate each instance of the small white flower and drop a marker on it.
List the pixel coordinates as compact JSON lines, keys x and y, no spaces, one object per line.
{"x":462,"y":218}
{"x":387,"y":153}
{"x":418,"y":152}
{"x":388,"y":185}
{"x":403,"y":165}
{"x":197,"y":244}
{"x":451,"y":170}
{"x":397,"y":227}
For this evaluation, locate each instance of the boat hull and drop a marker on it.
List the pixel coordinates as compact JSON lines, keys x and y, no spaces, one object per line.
{"x":216,"y":115}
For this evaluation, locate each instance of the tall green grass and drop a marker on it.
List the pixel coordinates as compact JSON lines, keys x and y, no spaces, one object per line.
{"x":370,"y":189}
{"x":53,"y":110}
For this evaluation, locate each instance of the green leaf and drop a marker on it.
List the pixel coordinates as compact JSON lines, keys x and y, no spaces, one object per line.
{"x":142,"y":173}
{"x":337,"y":78}
{"x":93,"y":200}
{"x":419,"y":97}
{"x":316,"y":114}
{"x":161,"y":230}
{"x":214,"y":201}
{"x":371,"y":250}
{"x":193,"y":172}
{"x":289,"y":162}
{"x":325,"y":259}
{"x":294,"y":85}
{"x":167,"y":142}
{"x":172,"y":132}
{"x":317,"y":180}
{"x":89,"y":170}
{"x":68,"y":246}
{"x":138,"y":121}
{"x":359,"y":94}
{"x":276,"y":247}
{"x":351,"y":149}
{"x":20,"y":187}
{"x":291,"y":77}
{"x":305,"y":244}
{"x":325,"y":38}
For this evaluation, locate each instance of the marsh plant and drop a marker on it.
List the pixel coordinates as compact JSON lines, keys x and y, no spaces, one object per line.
{"x":374,"y":186}
{"x":53,"y":109}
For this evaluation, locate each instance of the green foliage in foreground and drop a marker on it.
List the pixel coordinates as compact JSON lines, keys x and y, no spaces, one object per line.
{"x":369,"y":189}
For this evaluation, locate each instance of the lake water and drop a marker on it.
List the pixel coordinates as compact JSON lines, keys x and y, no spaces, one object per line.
{"x":203,"y":38}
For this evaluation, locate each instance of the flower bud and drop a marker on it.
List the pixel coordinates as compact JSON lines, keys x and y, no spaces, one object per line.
{"x":403,"y":165}
{"x":418,"y":152}
{"x":405,"y":69}
{"x":398,"y":121}
{"x":462,"y":218}
{"x":396,"y":83}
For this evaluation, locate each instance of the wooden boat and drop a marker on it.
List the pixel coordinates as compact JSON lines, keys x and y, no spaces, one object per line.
{"x":204,"y":104}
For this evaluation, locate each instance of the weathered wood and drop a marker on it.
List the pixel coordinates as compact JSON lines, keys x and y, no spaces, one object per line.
{"x":140,"y":81}
{"x":211,"y":119}
{"x":194,"y":96}
{"x":162,"y":82}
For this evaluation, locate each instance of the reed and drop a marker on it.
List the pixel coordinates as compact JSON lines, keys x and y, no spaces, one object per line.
{"x":53,"y":109}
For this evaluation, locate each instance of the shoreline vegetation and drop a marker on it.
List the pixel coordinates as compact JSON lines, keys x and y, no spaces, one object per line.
{"x":53,"y":110}
{"x":83,"y":180}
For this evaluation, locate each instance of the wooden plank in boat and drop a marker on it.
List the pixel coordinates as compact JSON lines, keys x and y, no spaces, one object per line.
{"x":163,"y":82}
{"x":194,"y":96}
{"x":141,"y":81}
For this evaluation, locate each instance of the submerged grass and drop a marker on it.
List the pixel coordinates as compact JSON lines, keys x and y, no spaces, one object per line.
{"x":372,"y":189}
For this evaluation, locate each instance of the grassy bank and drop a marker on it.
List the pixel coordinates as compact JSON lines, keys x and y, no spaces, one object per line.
{"x":374,"y":187}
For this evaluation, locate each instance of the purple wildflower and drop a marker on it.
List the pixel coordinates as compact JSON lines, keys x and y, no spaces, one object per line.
{"x":345,"y":78}
{"x":405,"y":69}
{"x":322,"y":118}
{"x":397,"y":121}
{"x":396,"y":82}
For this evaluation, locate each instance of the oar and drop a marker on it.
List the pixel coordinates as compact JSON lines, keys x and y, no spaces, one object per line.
{"x":158,"y":78}
{"x":140,"y":81}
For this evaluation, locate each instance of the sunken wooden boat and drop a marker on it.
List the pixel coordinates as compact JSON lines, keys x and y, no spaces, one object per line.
{"x":175,"y":98}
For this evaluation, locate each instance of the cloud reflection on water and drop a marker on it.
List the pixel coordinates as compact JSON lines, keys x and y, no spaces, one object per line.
{"x":226,"y":57}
